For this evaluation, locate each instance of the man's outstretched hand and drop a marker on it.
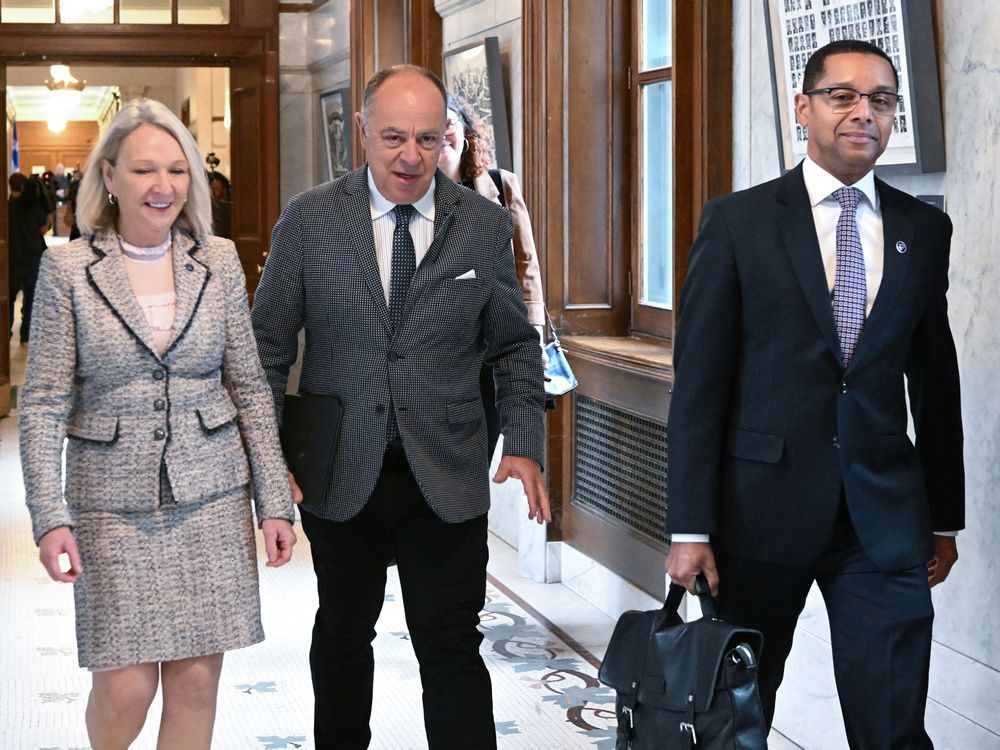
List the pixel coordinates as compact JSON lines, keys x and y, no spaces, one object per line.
{"x":530,"y":475}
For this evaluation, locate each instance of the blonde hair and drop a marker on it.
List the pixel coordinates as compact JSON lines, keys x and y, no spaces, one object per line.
{"x":94,"y":211}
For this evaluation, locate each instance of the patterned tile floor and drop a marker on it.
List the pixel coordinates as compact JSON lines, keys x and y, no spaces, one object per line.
{"x":544,"y":682}
{"x":546,"y":693}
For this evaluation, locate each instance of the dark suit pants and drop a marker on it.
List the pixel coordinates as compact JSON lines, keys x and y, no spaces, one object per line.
{"x":442,"y":571}
{"x":23,"y":278}
{"x":880,"y":627}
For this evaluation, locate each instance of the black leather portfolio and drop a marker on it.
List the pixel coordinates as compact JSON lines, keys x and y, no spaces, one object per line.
{"x":309,"y":435}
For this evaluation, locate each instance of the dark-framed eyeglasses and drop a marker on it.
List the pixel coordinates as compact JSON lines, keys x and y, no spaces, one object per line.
{"x":843,"y":99}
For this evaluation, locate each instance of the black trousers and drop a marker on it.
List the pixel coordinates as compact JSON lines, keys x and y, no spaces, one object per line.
{"x":880,"y":627}
{"x":23,"y":277}
{"x":442,"y":571}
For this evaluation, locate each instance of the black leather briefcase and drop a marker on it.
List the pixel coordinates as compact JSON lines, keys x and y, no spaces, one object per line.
{"x":685,"y":685}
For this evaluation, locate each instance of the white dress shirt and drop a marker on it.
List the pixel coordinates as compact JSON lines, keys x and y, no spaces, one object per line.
{"x":384,"y":224}
{"x":820,"y":186}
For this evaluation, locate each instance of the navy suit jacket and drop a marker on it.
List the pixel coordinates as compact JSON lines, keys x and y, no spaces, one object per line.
{"x":767,"y":429}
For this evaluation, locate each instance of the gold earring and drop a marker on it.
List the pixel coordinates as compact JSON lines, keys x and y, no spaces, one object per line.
{"x":112,"y":199}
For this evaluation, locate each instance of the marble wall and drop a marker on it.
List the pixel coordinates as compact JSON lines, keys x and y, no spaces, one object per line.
{"x":969,"y":55}
{"x":314,"y":55}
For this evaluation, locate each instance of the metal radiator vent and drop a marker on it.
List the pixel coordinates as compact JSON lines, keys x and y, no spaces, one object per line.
{"x":621,"y":466}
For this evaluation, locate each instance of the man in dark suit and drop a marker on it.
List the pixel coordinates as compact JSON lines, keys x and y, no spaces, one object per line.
{"x":404,"y":284}
{"x":809,"y":300}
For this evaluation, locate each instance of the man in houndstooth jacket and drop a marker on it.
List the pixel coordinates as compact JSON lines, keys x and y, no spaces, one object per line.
{"x":410,"y":479}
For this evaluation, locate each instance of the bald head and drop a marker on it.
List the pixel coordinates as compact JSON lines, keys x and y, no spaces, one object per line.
{"x":377,"y":80}
{"x":401,"y":127}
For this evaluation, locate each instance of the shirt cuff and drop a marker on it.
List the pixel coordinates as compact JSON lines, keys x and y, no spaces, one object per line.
{"x":687,"y":538}
{"x":946,"y":533}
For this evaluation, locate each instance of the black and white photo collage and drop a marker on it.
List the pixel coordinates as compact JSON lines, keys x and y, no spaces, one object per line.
{"x":809,"y":24}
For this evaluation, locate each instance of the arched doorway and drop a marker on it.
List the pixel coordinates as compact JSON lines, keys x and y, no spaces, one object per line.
{"x":247,"y":45}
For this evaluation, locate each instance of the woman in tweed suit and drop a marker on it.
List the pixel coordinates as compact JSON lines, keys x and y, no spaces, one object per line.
{"x":142,"y":355}
{"x":465,"y":159}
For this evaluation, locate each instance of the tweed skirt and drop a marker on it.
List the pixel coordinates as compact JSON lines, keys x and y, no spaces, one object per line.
{"x":173,"y":583}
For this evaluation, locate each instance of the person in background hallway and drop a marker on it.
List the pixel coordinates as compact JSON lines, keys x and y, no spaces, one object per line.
{"x":49,"y":191}
{"x":60,"y":194}
{"x":143,"y":356}
{"x":222,"y":205}
{"x":27,"y":223}
{"x":465,"y":160}
{"x":404,"y":283}
{"x":808,"y":301}
{"x":74,"y":188}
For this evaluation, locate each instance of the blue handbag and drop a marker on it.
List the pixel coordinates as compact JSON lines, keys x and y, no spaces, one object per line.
{"x":559,"y":377}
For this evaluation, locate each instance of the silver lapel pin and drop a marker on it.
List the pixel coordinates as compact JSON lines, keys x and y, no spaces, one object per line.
{"x":900,"y":247}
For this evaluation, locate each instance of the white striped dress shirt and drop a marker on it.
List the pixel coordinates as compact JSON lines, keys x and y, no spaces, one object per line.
{"x":384,"y":224}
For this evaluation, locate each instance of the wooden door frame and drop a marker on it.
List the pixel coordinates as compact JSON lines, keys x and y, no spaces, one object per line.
{"x":5,"y":384}
{"x":252,"y":33}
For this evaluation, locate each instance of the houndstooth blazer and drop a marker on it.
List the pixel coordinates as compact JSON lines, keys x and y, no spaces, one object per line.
{"x":202,"y":409}
{"x":322,"y":275}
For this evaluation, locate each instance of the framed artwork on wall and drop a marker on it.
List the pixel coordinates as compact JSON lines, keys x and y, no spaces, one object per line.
{"x":335,"y":126}
{"x":904,"y":30}
{"x":474,"y":73}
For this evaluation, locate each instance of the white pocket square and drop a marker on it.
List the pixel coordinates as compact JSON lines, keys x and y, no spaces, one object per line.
{"x":470,"y":274}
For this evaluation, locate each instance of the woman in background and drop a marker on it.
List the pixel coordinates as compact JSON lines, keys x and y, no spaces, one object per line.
{"x":143,"y":357}
{"x":465,"y":159}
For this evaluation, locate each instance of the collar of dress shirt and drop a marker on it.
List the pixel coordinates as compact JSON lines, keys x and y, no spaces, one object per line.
{"x":382,"y":205}
{"x":820,"y":184}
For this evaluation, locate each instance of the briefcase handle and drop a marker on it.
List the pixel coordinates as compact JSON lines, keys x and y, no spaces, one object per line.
{"x":668,"y":614}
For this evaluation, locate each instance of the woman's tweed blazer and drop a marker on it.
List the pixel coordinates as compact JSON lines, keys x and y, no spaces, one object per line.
{"x":202,"y":409}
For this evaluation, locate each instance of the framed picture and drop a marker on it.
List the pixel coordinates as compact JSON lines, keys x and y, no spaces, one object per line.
{"x":474,"y":74}
{"x":903,"y":29}
{"x":335,"y":121}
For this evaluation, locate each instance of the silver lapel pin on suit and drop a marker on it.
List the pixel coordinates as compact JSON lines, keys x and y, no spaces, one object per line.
{"x":900,"y":247}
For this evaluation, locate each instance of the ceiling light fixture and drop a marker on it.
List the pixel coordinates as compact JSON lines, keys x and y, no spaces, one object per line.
{"x":64,"y":94}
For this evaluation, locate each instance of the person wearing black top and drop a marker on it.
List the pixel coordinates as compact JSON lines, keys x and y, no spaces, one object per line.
{"x":27,"y":222}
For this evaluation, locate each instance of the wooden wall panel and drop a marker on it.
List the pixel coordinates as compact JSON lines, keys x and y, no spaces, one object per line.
{"x":589,"y":268}
{"x":576,"y":160}
{"x":40,"y":146}
{"x":254,"y":134}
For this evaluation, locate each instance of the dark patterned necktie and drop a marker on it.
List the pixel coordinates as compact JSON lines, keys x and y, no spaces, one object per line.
{"x":849,"y":286}
{"x":404,"y":263}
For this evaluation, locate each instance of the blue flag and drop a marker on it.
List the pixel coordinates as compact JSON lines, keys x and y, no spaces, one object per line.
{"x":15,"y":153}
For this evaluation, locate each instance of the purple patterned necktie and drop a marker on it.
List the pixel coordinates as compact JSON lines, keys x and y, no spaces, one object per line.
{"x":849,"y":286}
